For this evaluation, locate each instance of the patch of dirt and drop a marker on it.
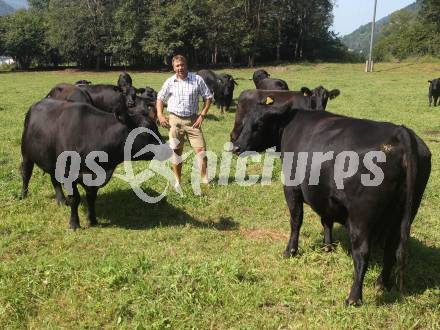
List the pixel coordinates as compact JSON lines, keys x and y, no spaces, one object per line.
{"x":259,"y":234}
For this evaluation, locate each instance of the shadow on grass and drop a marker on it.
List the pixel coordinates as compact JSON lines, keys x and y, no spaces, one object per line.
{"x":421,"y":273}
{"x":124,"y":209}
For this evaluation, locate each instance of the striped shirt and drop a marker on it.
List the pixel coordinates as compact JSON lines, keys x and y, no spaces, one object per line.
{"x":182,"y":96}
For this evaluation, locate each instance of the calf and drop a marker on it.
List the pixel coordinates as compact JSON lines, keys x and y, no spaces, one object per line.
{"x":384,"y":205}
{"x":262,"y":81}
{"x":52,"y":127}
{"x":434,"y":91}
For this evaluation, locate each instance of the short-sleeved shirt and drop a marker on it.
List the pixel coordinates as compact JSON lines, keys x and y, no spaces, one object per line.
{"x":182,"y":96}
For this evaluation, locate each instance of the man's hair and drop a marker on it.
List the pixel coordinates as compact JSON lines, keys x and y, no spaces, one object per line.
{"x":180,"y":58}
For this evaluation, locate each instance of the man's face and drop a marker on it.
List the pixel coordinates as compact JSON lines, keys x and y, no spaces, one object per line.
{"x":179,"y":68}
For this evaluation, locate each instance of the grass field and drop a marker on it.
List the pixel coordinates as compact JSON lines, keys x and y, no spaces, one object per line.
{"x":215,"y":260}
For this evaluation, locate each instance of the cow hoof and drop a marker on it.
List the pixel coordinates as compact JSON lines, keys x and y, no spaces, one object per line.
{"x":74,"y":227}
{"x":353,"y":302}
{"x":328,"y":248}
{"x":93,"y":223}
{"x":380,"y":285}
{"x":289,"y":253}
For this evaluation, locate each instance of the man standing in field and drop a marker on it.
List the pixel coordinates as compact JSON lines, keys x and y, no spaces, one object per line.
{"x":182,"y":92}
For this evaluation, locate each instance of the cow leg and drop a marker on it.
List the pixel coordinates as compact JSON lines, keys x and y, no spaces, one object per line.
{"x":360,"y":246}
{"x":73,"y":201}
{"x":389,"y":259}
{"x":328,"y":234}
{"x":221,"y":109}
{"x":435,"y":100}
{"x":26,"y":172}
{"x":61,"y":200}
{"x":91,"y":193}
{"x":295,"y":203}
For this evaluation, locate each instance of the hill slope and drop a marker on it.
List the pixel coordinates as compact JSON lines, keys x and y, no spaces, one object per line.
{"x":359,"y":40}
{"x":5,"y":8}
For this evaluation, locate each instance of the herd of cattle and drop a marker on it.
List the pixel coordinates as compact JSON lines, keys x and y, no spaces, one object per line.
{"x":85,"y":118}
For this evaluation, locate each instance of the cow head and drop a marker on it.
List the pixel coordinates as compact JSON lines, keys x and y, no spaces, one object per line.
{"x":434,"y":84}
{"x":227,"y":85}
{"x":130,"y":94}
{"x":260,"y":75}
{"x":262,"y":128}
{"x":124,"y":80}
{"x":320,"y":96}
{"x":149,"y":93}
{"x":147,"y":145}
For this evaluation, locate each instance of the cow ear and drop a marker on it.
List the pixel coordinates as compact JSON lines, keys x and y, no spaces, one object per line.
{"x":306,"y":91}
{"x":140,"y":90}
{"x":430,"y":81}
{"x":267,"y":100}
{"x":219,"y":80}
{"x":334,"y":93}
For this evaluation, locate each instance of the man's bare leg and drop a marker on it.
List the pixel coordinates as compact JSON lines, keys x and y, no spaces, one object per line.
{"x":177,"y":165}
{"x":203,"y":163}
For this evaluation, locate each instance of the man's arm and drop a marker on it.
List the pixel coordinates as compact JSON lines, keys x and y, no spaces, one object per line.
{"x":160,"y":116}
{"x":206,"y":104}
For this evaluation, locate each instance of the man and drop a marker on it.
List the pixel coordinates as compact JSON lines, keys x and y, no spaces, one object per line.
{"x":181,"y":92}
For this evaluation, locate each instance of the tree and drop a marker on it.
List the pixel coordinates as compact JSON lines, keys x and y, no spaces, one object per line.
{"x":23,"y":37}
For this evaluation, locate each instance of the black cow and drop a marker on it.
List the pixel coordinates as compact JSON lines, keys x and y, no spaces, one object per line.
{"x":222,"y":86}
{"x":248,"y":100}
{"x":52,"y":127}
{"x":262,"y":81}
{"x":69,"y":92}
{"x":434,"y":91}
{"x":83,"y":82}
{"x":346,"y":196}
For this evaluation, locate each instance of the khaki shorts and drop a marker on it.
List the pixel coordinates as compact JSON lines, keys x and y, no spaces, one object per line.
{"x":181,"y":126}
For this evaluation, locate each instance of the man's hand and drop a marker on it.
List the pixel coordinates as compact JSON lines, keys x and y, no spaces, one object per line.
{"x":198,"y":122}
{"x":163,"y":121}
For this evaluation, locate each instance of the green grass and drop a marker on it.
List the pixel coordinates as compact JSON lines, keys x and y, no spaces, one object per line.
{"x":209,"y":261}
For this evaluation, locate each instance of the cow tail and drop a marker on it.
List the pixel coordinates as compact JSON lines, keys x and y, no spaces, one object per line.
{"x":410,"y":163}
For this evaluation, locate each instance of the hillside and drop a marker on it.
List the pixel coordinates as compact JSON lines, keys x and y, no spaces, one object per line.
{"x":5,"y":8}
{"x":359,"y":40}
{"x":17,"y":4}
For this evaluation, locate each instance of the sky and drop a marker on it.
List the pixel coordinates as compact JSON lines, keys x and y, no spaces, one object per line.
{"x":350,"y":14}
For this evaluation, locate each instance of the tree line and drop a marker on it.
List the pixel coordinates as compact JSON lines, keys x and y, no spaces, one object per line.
{"x":411,"y":33}
{"x":147,"y":33}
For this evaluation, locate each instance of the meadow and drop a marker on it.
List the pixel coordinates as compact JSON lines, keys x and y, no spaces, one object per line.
{"x":214,"y":260}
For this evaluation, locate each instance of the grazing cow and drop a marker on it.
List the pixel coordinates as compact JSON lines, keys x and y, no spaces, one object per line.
{"x":262,"y":81}
{"x":52,"y":127}
{"x":434,"y":91}
{"x":222,"y":86}
{"x":69,"y":92}
{"x":83,"y":82}
{"x":307,"y":99}
{"x":379,"y":198}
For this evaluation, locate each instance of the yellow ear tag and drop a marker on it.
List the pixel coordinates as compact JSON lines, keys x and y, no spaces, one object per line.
{"x":305,"y":94}
{"x":269,"y":100}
